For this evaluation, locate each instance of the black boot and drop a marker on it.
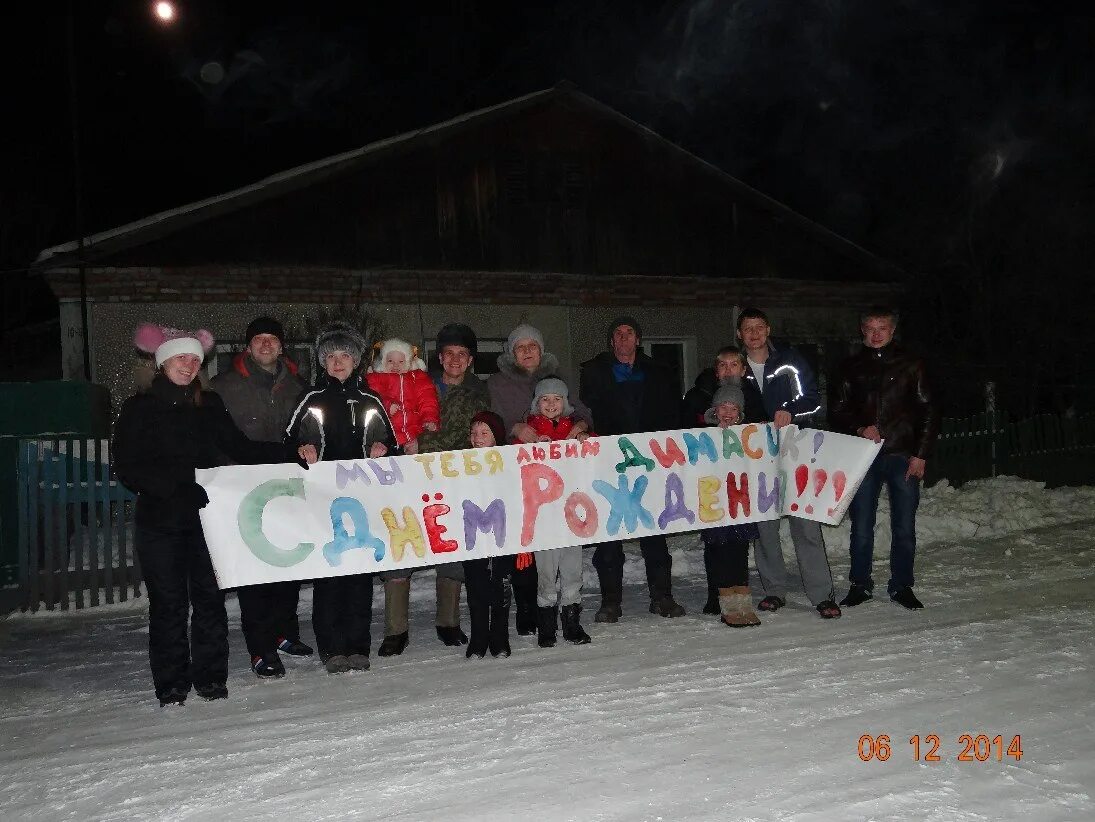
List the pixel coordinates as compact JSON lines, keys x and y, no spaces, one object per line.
{"x":498,"y":637}
{"x":661,"y":596}
{"x":857,"y":595}
{"x":572,"y":629}
{"x":611,"y":608}
{"x":548,"y":619}
{"x":394,"y":645}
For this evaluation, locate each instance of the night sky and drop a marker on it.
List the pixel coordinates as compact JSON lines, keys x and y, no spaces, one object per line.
{"x":952,"y":138}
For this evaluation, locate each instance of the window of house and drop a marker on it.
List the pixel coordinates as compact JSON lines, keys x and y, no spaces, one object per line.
{"x":676,"y":353}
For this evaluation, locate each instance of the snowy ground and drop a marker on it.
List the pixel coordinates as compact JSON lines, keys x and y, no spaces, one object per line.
{"x":658,"y":719}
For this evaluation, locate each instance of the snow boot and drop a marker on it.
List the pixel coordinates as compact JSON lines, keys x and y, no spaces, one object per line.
{"x":337,"y":664}
{"x":358,"y":662}
{"x":480,"y":630}
{"x":737,"y":607}
{"x":268,"y":666}
{"x":906,"y":597}
{"x":572,"y":629}
{"x":524,"y":597}
{"x":173,"y":696}
{"x":857,"y":595}
{"x":211,"y":690}
{"x":611,"y":609}
{"x":394,"y":645}
{"x":498,"y":636}
{"x":548,"y":620}
{"x":448,"y":612}
{"x":661,"y":596}
{"x":294,"y":647}
{"x":397,"y":594}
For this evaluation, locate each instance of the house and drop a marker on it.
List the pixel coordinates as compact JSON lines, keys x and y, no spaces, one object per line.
{"x":551,"y":208}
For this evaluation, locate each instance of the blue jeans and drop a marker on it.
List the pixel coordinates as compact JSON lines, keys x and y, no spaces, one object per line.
{"x":904,"y":499}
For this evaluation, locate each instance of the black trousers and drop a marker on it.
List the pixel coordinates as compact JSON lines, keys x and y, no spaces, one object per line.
{"x":608,"y":558}
{"x":342,"y":615}
{"x":268,"y":613}
{"x":182,"y":587}
{"x":726,"y":554}
{"x":485,"y":580}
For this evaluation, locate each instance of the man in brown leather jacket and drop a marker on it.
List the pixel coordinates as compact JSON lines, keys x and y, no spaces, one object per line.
{"x":884,"y":395}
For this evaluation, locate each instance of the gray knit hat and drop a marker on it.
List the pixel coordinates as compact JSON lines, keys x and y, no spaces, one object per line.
{"x":551,"y":385}
{"x":729,"y":391}
{"x":524,"y":332}
{"x":340,"y":337}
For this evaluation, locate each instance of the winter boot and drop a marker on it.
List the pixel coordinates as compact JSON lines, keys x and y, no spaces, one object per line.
{"x":211,"y":690}
{"x":268,"y":666}
{"x":906,"y":598}
{"x":737,"y":607}
{"x":611,"y":579}
{"x":294,"y":647}
{"x":358,"y":662}
{"x":448,"y":612}
{"x":480,"y":629}
{"x":572,"y":629}
{"x":397,"y":594}
{"x":661,"y":596}
{"x":498,"y":636}
{"x":337,"y":664}
{"x":547,"y":622}
{"x":857,"y":595}
{"x":173,"y":696}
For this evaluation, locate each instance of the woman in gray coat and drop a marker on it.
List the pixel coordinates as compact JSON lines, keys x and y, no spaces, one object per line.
{"x":523,"y":364}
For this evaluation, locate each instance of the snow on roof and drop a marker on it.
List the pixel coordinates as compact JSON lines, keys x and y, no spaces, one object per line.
{"x":164,"y":222}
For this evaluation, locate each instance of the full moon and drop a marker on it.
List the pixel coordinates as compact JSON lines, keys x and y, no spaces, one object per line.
{"x":165,"y":11}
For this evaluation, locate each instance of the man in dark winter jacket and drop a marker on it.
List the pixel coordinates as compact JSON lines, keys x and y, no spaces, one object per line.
{"x":883,"y":394}
{"x":788,"y":392}
{"x":628,"y":392}
{"x":260,"y":391}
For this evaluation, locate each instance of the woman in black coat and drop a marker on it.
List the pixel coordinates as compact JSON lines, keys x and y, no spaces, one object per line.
{"x":161,"y":436}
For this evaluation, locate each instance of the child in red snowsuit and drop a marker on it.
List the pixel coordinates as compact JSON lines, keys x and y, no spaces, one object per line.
{"x":410,"y":397}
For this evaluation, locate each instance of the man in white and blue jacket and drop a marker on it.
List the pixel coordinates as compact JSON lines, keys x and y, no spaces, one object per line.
{"x":789,"y":394}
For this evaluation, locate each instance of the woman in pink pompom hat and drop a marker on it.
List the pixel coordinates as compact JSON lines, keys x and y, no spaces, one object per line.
{"x":161,"y":436}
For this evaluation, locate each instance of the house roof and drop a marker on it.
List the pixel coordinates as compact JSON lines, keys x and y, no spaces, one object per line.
{"x":164,"y":223}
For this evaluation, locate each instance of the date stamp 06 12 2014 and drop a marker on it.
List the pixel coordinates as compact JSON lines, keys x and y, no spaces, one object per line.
{"x":974,"y":748}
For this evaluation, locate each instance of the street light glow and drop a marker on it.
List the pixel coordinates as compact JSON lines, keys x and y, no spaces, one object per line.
{"x":165,"y":11}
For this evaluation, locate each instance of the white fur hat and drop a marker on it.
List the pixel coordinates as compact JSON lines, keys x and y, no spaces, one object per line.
{"x":164,"y":342}
{"x":396,"y":344}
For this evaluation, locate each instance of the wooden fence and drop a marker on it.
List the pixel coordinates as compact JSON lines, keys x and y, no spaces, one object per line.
{"x":75,"y":527}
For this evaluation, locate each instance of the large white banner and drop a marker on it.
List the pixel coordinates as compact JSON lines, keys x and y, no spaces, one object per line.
{"x":266,"y":523}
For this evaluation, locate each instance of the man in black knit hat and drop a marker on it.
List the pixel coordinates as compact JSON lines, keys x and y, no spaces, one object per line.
{"x":260,"y":391}
{"x":628,"y":392}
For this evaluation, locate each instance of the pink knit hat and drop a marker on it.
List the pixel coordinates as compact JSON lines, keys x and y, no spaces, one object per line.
{"x":164,"y":342}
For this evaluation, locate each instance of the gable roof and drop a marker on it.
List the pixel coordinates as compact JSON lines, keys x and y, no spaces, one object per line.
{"x":164,"y":223}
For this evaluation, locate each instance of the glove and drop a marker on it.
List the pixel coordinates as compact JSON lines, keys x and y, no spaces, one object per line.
{"x":524,"y":560}
{"x":192,"y":495}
